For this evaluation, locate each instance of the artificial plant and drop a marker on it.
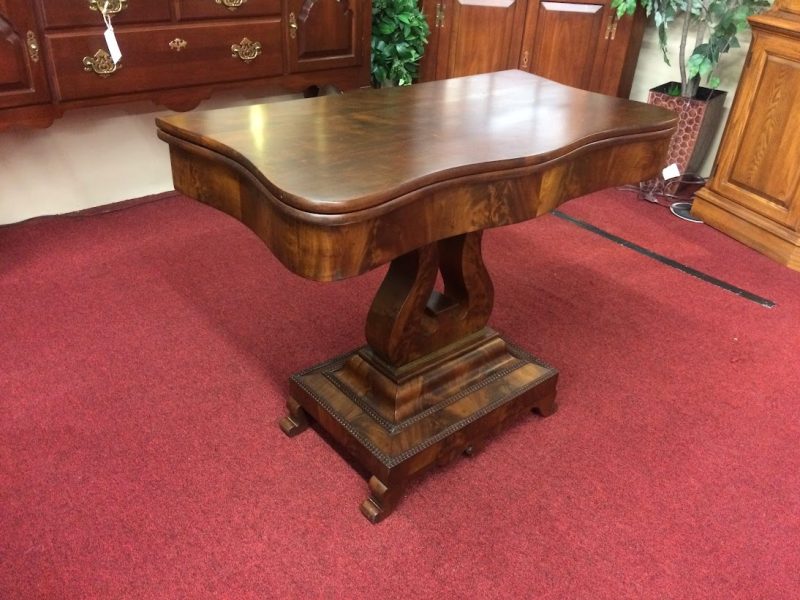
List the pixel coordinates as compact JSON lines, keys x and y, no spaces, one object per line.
{"x":716,"y":25}
{"x":399,"y":35}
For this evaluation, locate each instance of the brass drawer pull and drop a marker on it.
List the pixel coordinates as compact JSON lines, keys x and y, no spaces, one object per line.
{"x":33,"y":46}
{"x":231,"y":4}
{"x":292,"y":25}
{"x":114,"y":6}
{"x":178,"y":44}
{"x":101,"y":63}
{"x":246,"y":50}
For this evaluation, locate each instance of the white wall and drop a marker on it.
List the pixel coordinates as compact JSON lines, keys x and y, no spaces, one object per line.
{"x":90,"y":157}
{"x":96,"y":156}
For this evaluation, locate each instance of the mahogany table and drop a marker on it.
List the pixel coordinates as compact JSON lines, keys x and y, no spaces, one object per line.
{"x":338,"y":185}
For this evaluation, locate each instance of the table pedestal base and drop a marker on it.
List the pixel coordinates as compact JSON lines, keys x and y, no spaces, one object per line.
{"x":397,"y":422}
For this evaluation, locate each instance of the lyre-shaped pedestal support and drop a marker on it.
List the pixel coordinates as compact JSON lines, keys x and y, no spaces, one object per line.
{"x":410,"y":319}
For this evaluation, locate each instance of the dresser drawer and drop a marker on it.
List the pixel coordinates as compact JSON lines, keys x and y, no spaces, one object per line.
{"x":226,"y":9}
{"x":85,"y":13}
{"x":165,"y":57}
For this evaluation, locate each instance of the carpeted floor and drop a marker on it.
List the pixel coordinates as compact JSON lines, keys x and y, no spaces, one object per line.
{"x":144,"y":357}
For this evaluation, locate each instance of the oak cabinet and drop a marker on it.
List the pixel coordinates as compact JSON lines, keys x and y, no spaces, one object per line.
{"x":753,"y":194}
{"x":174,"y":52}
{"x":581,"y":44}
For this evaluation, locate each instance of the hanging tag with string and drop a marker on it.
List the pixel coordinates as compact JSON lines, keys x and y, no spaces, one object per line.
{"x":111,"y":39}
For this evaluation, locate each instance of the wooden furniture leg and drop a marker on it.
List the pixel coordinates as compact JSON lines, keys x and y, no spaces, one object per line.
{"x":381,"y":501}
{"x":296,"y":421}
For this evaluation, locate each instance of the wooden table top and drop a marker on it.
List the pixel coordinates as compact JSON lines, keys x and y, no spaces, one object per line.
{"x":340,"y":154}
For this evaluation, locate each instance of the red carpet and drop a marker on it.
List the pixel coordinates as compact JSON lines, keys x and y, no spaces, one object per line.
{"x":144,"y":357}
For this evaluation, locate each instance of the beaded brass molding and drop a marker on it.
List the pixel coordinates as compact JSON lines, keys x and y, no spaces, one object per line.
{"x":101,"y":63}
{"x":231,"y":4}
{"x":247,"y":50}
{"x":114,"y":6}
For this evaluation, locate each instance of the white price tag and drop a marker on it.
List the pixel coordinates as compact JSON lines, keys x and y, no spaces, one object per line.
{"x":111,"y":39}
{"x":113,"y":46}
{"x":671,"y":172}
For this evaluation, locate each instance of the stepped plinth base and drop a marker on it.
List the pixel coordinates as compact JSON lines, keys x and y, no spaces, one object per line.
{"x":397,"y":422}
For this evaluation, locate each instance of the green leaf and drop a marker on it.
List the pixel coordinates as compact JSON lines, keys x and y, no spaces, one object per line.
{"x":706,"y":67}
{"x":386,"y":28}
{"x":693,"y":65}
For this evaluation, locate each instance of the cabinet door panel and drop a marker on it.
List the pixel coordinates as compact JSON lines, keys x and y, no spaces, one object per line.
{"x":154,"y":58}
{"x":576,"y":42}
{"x":85,"y":13}
{"x":625,"y":39}
{"x":763,"y":173}
{"x":569,"y":44}
{"x":482,"y":36}
{"x":22,"y":75}
{"x":324,"y":34}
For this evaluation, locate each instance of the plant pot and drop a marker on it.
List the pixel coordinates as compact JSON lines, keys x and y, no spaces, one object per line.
{"x":698,"y":121}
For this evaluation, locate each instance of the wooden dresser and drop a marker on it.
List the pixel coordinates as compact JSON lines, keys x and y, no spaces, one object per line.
{"x":754,"y":191}
{"x":53,"y":55}
{"x":579,"y":43}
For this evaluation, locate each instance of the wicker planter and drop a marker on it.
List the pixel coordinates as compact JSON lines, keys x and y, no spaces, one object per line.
{"x":698,"y":121}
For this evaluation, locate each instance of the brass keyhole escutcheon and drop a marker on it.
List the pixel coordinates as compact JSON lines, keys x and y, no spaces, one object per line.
{"x":178,"y":44}
{"x":33,"y":46}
